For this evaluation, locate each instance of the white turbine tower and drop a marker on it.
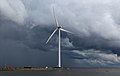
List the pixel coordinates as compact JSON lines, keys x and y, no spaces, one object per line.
{"x":59,"y":29}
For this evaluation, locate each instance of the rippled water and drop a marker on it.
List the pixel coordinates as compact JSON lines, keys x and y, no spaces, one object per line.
{"x":75,"y":72}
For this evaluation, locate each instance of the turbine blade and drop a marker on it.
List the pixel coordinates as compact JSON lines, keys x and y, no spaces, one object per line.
{"x":55,"y":18}
{"x":66,"y":31}
{"x":51,"y":35}
{"x":33,"y":25}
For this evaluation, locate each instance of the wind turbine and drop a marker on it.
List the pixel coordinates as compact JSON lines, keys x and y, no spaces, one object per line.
{"x":59,"y":29}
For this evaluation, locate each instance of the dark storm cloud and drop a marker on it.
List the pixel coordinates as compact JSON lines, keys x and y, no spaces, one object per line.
{"x":95,"y":24}
{"x":21,"y":46}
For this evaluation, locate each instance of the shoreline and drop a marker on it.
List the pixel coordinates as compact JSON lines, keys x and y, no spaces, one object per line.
{"x":58,"y":69}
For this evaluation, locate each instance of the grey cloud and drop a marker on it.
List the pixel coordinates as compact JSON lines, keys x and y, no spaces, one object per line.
{"x":96,"y":57}
{"x":95,"y":24}
{"x":13,"y":10}
{"x":91,"y":19}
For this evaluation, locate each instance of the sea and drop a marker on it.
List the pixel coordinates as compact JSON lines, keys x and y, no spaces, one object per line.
{"x":71,"y":72}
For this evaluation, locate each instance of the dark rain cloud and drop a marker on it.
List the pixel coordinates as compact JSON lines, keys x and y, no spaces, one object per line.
{"x":25,"y":26}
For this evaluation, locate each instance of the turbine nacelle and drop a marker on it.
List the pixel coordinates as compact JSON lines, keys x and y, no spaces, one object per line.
{"x":59,"y":27}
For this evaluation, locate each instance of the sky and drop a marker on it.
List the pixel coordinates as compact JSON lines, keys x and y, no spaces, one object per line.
{"x":25,"y":26}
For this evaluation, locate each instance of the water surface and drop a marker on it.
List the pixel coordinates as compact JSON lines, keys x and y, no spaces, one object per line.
{"x":73,"y":72}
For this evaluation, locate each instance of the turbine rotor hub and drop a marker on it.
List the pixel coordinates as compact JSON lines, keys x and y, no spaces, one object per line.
{"x":59,"y":27}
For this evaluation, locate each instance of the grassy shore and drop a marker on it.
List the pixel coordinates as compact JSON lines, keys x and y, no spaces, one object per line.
{"x":31,"y":69}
